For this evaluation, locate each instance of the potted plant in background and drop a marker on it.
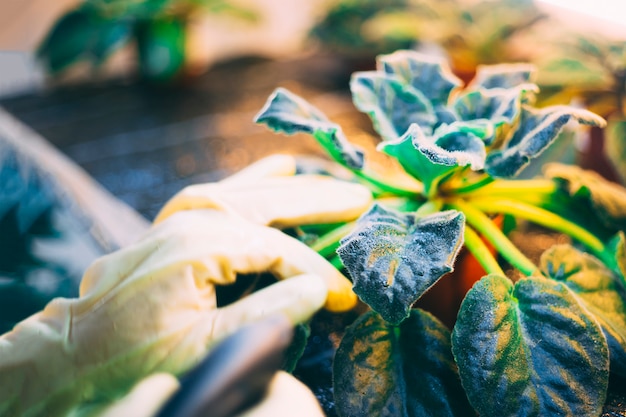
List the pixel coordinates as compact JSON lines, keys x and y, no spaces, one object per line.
{"x":591,"y":69}
{"x":532,"y":337}
{"x":96,"y":28}
{"x":468,"y":33}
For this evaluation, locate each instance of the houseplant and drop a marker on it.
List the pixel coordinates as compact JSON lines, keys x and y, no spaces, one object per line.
{"x":94,"y":29}
{"x":542,"y":338}
{"x":591,"y":69}
{"x":469,"y":33}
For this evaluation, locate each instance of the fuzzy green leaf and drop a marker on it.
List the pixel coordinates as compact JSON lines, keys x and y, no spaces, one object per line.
{"x":394,"y":258}
{"x":503,"y":76}
{"x":499,"y":106}
{"x":538,"y":128}
{"x":384,"y":370}
{"x":288,"y":113}
{"x":431,"y":158}
{"x":607,"y":199}
{"x":599,"y":291}
{"x":529,"y":349}
{"x":390,"y":103}
{"x":426,"y":73}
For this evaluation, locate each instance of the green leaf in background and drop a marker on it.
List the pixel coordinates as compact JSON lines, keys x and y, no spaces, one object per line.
{"x":134,"y":9}
{"x":112,"y":35}
{"x":161,"y":47}
{"x":288,"y":113}
{"x":530,"y":349}
{"x":394,"y":258}
{"x":431,"y":158}
{"x":227,"y":7}
{"x":391,"y":104}
{"x":615,"y":145}
{"x":606,"y":198}
{"x":72,"y":38}
{"x":599,"y":291}
{"x":503,"y":76}
{"x":538,"y":129}
{"x":388,"y":371}
{"x":426,"y":73}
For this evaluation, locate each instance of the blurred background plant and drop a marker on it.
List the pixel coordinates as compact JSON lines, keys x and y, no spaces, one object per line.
{"x":470,"y":33}
{"x":95,"y":29}
{"x":591,"y":69}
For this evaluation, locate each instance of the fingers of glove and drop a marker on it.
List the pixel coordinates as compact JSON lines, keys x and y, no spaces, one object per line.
{"x":297,"y":298}
{"x":216,"y":246}
{"x":271,"y":166}
{"x":210,"y":195}
{"x":146,"y":397}
{"x":278,"y":201}
{"x":286,"y":397}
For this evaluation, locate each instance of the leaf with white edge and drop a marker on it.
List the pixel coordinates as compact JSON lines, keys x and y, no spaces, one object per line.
{"x":538,"y":128}
{"x":426,"y":73}
{"x":503,"y":76}
{"x":599,"y":291}
{"x":432,"y":158}
{"x":500,"y":107}
{"x":394,"y":258}
{"x":455,"y":144}
{"x":481,"y":128}
{"x":388,"y":371}
{"x":529,"y":349}
{"x":288,"y":113}
{"x":607,"y":199}
{"x":391,"y":104}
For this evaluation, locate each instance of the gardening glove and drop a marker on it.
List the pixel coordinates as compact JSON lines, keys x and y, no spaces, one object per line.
{"x":151,"y":307}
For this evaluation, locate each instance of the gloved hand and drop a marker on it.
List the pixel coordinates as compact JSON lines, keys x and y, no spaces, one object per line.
{"x":151,"y":307}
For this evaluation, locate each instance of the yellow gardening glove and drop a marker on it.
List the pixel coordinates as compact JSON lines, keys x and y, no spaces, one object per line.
{"x":151,"y":307}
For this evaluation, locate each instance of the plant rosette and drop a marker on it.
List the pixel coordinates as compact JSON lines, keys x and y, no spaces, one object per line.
{"x":544,"y":344}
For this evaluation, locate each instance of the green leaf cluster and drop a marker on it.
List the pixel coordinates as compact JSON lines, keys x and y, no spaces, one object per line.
{"x":544,"y":344}
{"x":95,"y":29}
{"x":470,"y":33}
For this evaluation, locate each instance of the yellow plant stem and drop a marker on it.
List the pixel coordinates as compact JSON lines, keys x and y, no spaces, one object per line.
{"x":483,"y":224}
{"x":515,"y":188}
{"x":539,"y":216}
{"x":326,"y":244}
{"x":481,"y":252}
